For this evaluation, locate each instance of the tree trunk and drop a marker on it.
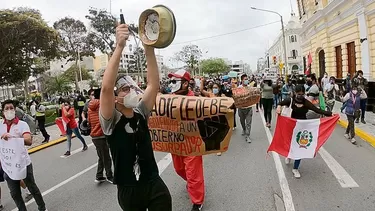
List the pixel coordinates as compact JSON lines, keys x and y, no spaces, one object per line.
{"x":26,"y":89}
{"x":76,"y":77}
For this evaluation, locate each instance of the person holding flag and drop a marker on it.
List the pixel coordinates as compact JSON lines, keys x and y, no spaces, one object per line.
{"x":300,"y":106}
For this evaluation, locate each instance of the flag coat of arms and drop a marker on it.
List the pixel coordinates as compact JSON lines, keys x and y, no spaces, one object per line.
{"x":297,"y":139}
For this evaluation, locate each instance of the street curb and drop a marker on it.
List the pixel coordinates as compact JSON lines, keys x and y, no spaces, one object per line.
{"x":49,"y":144}
{"x":362,"y":134}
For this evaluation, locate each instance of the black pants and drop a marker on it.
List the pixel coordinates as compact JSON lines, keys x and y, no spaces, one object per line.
{"x":15,"y":190}
{"x":234,"y":117}
{"x":104,"y":161}
{"x":152,"y":196}
{"x":267,"y":107}
{"x":80,"y":110}
{"x":41,"y":124}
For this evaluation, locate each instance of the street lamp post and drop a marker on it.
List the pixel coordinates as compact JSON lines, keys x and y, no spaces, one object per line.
{"x":282,"y":28}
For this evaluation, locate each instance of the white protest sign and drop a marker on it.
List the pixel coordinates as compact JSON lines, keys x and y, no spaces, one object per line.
{"x":13,"y":157}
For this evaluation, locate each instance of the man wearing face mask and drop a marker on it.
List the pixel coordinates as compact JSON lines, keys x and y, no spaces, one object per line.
{"x":190,"y":168}
{"x":330,"y":91}
{"x":123,"y":119}
{"x":325,"y":80}
{"x":312,"y":93}
{"x":246,"y":114}
{"x":361,"y":83}
{"x":12,"y":127}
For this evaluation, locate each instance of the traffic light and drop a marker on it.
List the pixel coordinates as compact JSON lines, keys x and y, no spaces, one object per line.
{"x":274,"y":60}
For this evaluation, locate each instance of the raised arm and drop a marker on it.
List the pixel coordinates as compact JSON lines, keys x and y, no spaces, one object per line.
{"x":107,"y":97}
{"x":153,"y":82}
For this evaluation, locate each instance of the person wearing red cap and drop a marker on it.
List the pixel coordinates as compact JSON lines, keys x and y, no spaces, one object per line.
{"x":190,"y":168}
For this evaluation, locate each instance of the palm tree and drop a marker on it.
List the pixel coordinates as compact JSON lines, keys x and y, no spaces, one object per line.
{"x":93,"y":83}
{"x":58,"y":84}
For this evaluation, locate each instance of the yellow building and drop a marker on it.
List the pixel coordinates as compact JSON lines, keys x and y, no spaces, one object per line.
{"x":100,"y":62}
{"x":340,"y":35}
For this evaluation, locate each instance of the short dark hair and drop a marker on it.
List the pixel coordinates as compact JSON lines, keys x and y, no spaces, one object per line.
{"x":243,"y":76}
{"x":312,"y":76}
{"x":9,"y":101}
{"x":300,"y":88}
{"x":89,"y":92}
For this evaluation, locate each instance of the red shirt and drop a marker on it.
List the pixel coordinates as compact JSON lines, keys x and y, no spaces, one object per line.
{"x":190,"y":93}
{"x":71,"y":120}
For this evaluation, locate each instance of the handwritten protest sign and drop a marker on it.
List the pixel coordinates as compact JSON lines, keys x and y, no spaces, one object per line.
{"x":245,"y":96}
{"x":191,"y":126}
{"x":13,"y":158}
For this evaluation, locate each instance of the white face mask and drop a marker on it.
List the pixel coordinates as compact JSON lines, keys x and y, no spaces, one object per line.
{"x":131,"y":99}
{"x":10,"y":114}
{"x":175,"y":87}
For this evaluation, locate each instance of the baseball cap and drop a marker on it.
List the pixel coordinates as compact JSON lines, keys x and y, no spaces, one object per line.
{"x":183,"y":74}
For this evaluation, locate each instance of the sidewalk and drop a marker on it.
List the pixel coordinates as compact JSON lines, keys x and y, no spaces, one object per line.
{"x":55,"y":138}
{"x":364,"y":131}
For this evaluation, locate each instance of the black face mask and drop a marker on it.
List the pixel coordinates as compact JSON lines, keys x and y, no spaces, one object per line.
{"x":309,"y":83}
{"x":299,"y":98}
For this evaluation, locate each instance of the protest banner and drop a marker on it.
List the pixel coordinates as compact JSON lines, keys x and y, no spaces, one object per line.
{"x":245,"y":96}
{"x":191,"y":126}
{"x":13,"y":158}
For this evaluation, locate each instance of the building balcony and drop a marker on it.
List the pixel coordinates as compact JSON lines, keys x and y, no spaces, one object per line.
{"x":296,"y":59}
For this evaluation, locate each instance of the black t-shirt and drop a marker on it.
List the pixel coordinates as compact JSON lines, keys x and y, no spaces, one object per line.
{"x":131,"y":149}
{"x":300,"y":112}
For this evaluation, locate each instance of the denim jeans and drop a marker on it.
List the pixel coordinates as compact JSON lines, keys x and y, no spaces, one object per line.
{"x":15,"y":190}
{"x":296,"y":164}
{"x":276,"y":98}
{"x":76,"y":132}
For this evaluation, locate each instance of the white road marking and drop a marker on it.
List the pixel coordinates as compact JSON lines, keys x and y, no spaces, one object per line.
{"x":76,"y":151}
{"x":287,"y":194}
{"x":342,"y":176}
{"x":162,"y":165}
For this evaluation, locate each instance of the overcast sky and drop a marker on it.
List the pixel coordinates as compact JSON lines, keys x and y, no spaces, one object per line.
{"x":196,"y":19}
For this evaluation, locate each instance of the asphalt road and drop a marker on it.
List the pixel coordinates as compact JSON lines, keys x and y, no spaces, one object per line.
{"x":244,"y":178}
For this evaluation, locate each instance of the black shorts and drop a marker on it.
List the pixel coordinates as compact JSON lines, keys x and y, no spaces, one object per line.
{"x":153,"y":196}
{"x":1,"y":175}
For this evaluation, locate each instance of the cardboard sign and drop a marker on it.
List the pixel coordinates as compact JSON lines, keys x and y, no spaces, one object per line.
{"x":13,"y":158}
{"x":245,"y":96}
{"x":191,"y":126}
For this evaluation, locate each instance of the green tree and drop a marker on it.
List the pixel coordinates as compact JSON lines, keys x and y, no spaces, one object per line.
{"x":24,"y":38}
{"x":190,"y":55}
{"x":93,"y":83}
{"x":139,"y":62}
{"x":214,"y":66}
{"x":75,"y":44}
{"x":70,"y":73}
{"x":103,"y":30}
{"x":58,"y":84}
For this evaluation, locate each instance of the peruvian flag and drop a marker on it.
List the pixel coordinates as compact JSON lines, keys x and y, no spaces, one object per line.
{"x":297,"y":139}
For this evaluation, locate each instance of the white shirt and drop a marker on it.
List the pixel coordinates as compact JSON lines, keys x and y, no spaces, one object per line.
{"x":17,"y":129}
{"x":33,"y":110}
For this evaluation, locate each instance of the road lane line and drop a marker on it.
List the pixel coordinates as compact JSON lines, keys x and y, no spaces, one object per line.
{"x":76,"y":151}
{"x":162,"y":165}
{"x":342,"y":176}
{"x":287,"y":194}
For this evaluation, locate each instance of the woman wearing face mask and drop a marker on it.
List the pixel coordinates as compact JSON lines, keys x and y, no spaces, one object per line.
{"x":214,"y":92}
{"x":68,"y":116}
{"x":300,"y":106}
{"x":352,"y":100}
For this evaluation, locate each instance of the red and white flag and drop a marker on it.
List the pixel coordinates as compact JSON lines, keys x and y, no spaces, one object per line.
{"x":297,"y":139}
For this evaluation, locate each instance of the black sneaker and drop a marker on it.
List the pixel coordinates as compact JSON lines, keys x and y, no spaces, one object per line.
{"x":67,"y":153}
{"x":84,"y":148}
{"x":197,"y":207}
{"x":100,"y":179}
{"x":1,"y":207}
{"x":110,"y":180}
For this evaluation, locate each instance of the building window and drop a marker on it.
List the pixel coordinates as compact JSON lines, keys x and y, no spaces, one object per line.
{"x":293,"y":38}
{"x":294,"y":54}
{"x":299,"y":8}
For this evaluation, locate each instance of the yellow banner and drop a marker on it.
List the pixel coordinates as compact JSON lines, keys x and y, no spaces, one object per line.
{"x":191,"y":126}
